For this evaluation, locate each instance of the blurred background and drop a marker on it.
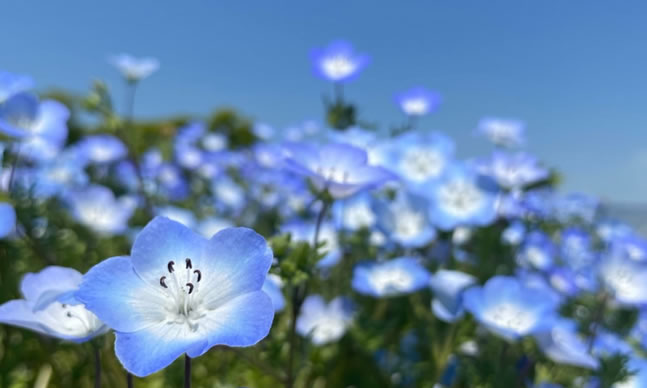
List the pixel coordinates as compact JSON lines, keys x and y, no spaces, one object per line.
{"x":574,"y":71}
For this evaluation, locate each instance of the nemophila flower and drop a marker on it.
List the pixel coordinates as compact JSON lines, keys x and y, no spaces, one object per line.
{"x":102,"y":149}
{"x":562,"y":344}
{"x":50,"y":308}
{"x":418,"y":157}
{"x":11,"y":83}
{"x":272,"y":287}
{"x":538,"y":282}
{"x":514,"y":233}
{"x":188,"y":156}
{"x":229,"y":195}
{"x":338,"y":62}
{"x":607,"y":343}
{"x":461,"y":198}
{"x":305,"y":231}
{"x":624,"y":278}
{"x":97,"y":208}
{"x":575,"y":207}
{"x":355,"y":213}
{"x":538,"y":251}
{"x":181,"y":293}
{"x":55,"y":177}
{"x":418,"y":101}
{"x":370,"y":141}
{"x":134,"y":69}
{"x":564,"y":280}
{"x":576,"y":248}
{"x":630,"y":245}
{"x":405,"y":220}
{"x":513,"y":171}
{"x":263,"y":131}
{"x":502,"y":132}
{"x":509,"y":309}
{"x":448,"y":287}
{"x":7,"y":219}
{"x":608,"y":230}
{"x":398,"y":276}
{"x":170,"y":182}
{"x":341,"y":169}
{"x":324,"y":323}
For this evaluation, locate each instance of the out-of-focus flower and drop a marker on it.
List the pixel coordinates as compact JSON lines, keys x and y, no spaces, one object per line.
{"x":341,"y":169}
{"x":562,"y":344}
{"x":229,"y":195}
{"x":461,"y":198}
{"x":181,"y":293}
{"x":418,"y":101}
{"x":355,"y":213}
{"x":575,"y":248}
{"x":7,"y":219}
{"x":502,"y":132}
{"x":302,"y":231}
{"x":212,"y":225}
{"x":514,"y":233}
{"x":398,"y":276}
{"x":508,"y":309}
{"x":575,"y":206}
{"x":448,"y":287}
{"x":405,"y":220}
{"x":630,"y":245}
{"x":134,"y":69}
{"x":324,"y":323}
{"x":537,"y":251}
{"x":102,"y":149}
{"x":513,"y":171}
{"x":97,"y":208}
{"x":50,"y":308}
{"x":338,"y":62}
{"x":11,"y":84}
{"x":624,"y":278}
{"x":607,"y":343}
{"x":272,"y":287}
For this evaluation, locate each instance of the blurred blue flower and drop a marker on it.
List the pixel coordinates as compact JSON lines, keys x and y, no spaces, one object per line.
{"x":509,"y":309}
{"x":514,"y":233}
{"x":576,"y":248}
{"x":448,"y":287}
{"x":272,"y":287}
{"x":181,"y":293}
{"x":575,"y":207}
{"x":513,"y":171}
{"x":228,"y":194}
{"x":562,"y":344}
{"x":502,"y":132}
{"x":631,"y":245}
{"x":462,"y":198}
{"x":419,"y":158}
{"x":398,"y":276}
{"x":624,"y":278}
{"x":11,"y":84}
{"x":212,"y":225}
{"x":305,"y":231}
{"x":355,"y":213}
{"x":418,"y":101}
{"x":50,"y":308}
{"x":338,"y":62}
{"x":324,"y":323}
{"x":134,"y":69}
{"x":97,"y":208}
{"x":538,"y":251}
{"x":7,"y":219}
{"x":102,"y":149}
{"x":607,"y":343}
{"x":405,"y":220}
{"x":341,"y":169}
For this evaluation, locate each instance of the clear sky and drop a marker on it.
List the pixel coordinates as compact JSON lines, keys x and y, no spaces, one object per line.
{"x":574,"y":70}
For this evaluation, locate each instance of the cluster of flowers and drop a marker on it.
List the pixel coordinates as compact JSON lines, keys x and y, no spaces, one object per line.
{"x":391,"y":215}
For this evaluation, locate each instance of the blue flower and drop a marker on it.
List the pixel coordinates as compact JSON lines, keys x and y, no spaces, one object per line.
{"x":576,"y":248}
{"x":575,"y":207}
{"x":563,"y":345}
{"x":97,"y":208}
{"x":624,"y":278}
{"x":304,"y":232}
{"x":631,"y":245}
{"x":607,"y":343}
{"x":102,"y":149}
{"x":509,"y":309}
{"x":338,"y":62}
{"x":355,"y":213}
{"x":55,"y":177}
{"x":324,"y":323}
{"x":461,"y":198}
{"x":11,"y":84}
{"x":502,"y":132}
{"x":418,"y":101}
{"x":405,"y":220}
{"x":513,"y":171}
{"x":272,"y":287}
{"x":514,"y":233}
{"x":537,"y":251}
{"x":7,"y":219}
{"x":448,"y":287}
{"x":418,"y":157}
{"x":341,"y":169}
{"x":398,"y":276}
{"x":134,"y":69}
{"x":181,"y":293}
{"x":50,"y":308}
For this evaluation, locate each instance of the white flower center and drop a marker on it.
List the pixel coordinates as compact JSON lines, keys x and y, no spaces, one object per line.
{"x":408,"y":223}
{"x":74,"y":321}
{"x":98,"y":215}
{"x":333,"y":174}
{"x":101,"y":154}
{"x":328,"y":329}
{"x":460,"y":197}
{"x":536,"y":256}
{"x":510,"y":316}
{"x":390,"y":280}
{"x":415,"y":106}
{"x":338,"y":67}
{"x":631,"y":382}
{"x":622,"y":280}
{"x":182,"y":288}
{"x":422,"y":163}
{"x":359,"y":215}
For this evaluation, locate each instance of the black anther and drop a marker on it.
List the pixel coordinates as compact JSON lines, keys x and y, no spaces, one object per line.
{"x":197,"y":271}
{"x":188,"y":263}
{"x":170,"y":266}
{"x":190,"y":285}
{"x":163,"y":282}
{"x":69,"y":314}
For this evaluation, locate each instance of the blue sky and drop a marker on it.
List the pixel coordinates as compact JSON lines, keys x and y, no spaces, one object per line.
{"x":574,"y":70}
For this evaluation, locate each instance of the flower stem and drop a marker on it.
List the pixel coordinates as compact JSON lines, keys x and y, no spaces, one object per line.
{"x":187,"y":371}
{"x":597,"y":318}
{"x":129,"y":380}
{"x":97,"y":366}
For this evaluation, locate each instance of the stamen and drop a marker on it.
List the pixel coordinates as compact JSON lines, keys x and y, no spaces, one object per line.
{"x":190,"y":285}
{"x":162,"y":282}
{"x":188,"y":263}
{"x":170,"y":266}
{"x":197,"y":272}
